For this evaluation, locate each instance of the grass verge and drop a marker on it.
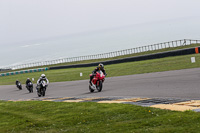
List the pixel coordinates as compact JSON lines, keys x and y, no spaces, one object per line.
{"x":148,"y":66}
{"x":54,"y":117}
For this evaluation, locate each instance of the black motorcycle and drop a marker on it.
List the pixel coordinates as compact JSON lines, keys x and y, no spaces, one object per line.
{"x":19,"y":86}
{"x":30,"y":87}
{"x":42,"y":88}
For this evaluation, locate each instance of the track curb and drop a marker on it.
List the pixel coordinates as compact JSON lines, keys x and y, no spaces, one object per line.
{"x":161,"y":103}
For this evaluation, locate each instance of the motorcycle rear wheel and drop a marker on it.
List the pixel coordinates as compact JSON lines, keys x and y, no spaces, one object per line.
{"x":91,"y":90}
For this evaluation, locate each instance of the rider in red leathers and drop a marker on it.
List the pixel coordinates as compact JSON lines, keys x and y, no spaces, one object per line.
{"x":99,"y":67}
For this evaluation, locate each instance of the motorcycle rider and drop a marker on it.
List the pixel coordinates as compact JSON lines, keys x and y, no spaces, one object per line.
{"x":17,"y":82}
{"x":42,"y":77}
{"x":99,"y":67}
{"x":27,"y":81}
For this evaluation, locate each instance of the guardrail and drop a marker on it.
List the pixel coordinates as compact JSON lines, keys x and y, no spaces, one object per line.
{"x":135,"y":58}
{"x":152,"y":47}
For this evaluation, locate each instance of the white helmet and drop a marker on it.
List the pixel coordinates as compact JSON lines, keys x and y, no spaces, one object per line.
{"x":43,"y":76}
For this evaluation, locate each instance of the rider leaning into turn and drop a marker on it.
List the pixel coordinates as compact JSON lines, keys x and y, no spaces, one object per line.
{"x":99,"y":67}
{"x":42,"y":77}
{"x":17,"y":82}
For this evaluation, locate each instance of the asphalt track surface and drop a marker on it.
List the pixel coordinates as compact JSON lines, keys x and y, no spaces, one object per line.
{"x":170,"y":84}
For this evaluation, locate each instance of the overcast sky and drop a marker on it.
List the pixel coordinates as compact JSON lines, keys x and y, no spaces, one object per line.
{"x":26,"y":20}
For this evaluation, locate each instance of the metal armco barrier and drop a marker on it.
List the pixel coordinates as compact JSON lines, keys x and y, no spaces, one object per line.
{"x":136,"y":58}
{"x":152,"y":47}
{"x":24,"y":71}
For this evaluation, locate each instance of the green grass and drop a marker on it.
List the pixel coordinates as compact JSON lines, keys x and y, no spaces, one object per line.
{"x":54,"y":117}
{"x":148,"y":66}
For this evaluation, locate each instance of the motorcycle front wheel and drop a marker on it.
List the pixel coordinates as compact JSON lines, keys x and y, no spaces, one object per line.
{"x":39,"y":92}
{"x":39,"y":95}
{"x":20,"y":87}
{"x":31,"y":90}
{"x":43,"y":91}
{"x":99,"y":86}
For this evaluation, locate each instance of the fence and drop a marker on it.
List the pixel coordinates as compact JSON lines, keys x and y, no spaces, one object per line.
{"x":158,"y":46}
{"x":159,"y":55}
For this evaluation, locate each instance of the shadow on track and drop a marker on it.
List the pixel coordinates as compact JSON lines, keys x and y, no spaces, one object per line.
{"x":26,"y":93}
{"x":95,"y":92}
{"x":15,"y":90}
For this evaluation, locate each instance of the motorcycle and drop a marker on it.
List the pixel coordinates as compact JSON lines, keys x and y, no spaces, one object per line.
{"x":30,"y":87}
{"x":97,"y":81}
{"x":42,"y":88}
{"x":19,"y":86}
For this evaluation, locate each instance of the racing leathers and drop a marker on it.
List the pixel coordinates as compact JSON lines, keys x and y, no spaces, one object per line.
{"x":39,"y":81}
{"x":94,"y":72}
{"x":17,"y":82}
{"x":27,"y":81}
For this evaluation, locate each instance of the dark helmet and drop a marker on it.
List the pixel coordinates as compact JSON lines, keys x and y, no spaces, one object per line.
{"x":100,"y":66}
{"x":17,"y":81}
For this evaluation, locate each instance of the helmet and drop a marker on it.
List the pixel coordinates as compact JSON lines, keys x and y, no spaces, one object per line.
{"x":28,"y":78}
{"x":100,"y":66}
{"x":43,"y":76}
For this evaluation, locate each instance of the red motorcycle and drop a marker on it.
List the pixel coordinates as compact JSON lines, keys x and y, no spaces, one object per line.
{"x":97,"y":81}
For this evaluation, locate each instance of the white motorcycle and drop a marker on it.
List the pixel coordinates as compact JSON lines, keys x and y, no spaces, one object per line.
{"x":42,"y":88}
